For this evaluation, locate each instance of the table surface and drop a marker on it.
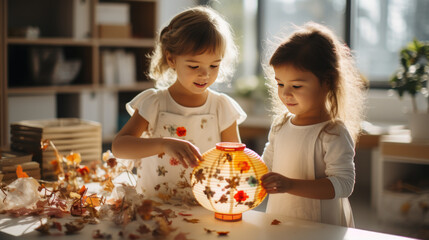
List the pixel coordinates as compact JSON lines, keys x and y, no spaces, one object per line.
{"x":254,"y":225}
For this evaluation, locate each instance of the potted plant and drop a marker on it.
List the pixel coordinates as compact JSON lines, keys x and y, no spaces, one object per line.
{"x":412,"y":78}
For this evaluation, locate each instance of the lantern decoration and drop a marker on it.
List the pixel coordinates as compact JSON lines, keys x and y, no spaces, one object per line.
{"x":227,"y":181}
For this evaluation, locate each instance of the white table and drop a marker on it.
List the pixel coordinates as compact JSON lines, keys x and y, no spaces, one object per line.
{"x":255,"y":225}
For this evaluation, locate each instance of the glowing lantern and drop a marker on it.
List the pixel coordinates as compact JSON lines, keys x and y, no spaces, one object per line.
{"x":227,"y":181}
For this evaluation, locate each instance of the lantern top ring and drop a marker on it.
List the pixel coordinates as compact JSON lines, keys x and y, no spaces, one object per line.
{"x":230,"y":146}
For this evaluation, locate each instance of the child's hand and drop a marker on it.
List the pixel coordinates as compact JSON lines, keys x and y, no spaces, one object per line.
{"x":182,"y":150}
{"x":276,"y":183}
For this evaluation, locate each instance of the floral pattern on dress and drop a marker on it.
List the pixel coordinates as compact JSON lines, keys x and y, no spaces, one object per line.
{"x":161,"y":170}
{"x":174,"y":162}
{"x":176,"y":131}
{"x":181,"y":131}
{"x":203,"y":123}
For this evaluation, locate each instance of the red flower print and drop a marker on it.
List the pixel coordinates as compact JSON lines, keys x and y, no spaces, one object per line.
{"x":174,"y":162}
{"x":243,"y":166}
{"x":241,"y":196}
{"x":181,"y":131}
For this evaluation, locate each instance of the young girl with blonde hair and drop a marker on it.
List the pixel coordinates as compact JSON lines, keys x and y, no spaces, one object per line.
{"x":317,"y":96}
{"x":171,"y":125}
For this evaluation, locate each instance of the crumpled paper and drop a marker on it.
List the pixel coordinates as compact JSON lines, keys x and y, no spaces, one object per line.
{"x":23,"y":192}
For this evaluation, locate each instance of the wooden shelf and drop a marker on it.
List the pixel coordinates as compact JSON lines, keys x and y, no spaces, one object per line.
{"x":78,"y":88}
{"x":112,"y":42}
{"x":51,"y":41}
{"x":49,"y":89}
{"x":133,"y":42}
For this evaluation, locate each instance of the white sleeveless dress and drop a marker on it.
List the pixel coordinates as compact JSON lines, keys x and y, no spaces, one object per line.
{"x":293,"y":152}
{"x":163,"y":176}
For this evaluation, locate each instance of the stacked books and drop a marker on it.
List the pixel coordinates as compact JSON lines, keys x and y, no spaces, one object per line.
{"x":67,"y":134}
{"x":11,"y":159}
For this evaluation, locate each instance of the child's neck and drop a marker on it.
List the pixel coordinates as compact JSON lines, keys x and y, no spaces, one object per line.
{"x":310,"y":120}
{"x":186,"y":98}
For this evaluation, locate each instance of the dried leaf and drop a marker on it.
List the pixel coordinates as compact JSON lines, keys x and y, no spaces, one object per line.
{"x":20,"y":173}
{"x":83,"y":170}
{"x":73,"y":227}
{"x":108,"y":185}
{"x":43,"y":228}
{"x":209,"y":231}
{"x":83,"y":190}
{"x":164,"y":197}
{"x":275,"y":222}
{"x":111,"y":162}
{"x":73,"y":158}
{"x":223,"y":233}
{"x":54,"y":212}
{"x":193,"y":220}
{"x":145,"y":210}
{"x":74,"y":195}
{"x":44,"y":144}
{"x":163,"y":228}
{"x":143,"y":229}
{"x":57,"y":225}
{"x":92,"y":201}
{"x":185,"y":214}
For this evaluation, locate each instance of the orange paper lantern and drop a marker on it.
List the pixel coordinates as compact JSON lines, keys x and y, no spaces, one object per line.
{"x":227,"y":181}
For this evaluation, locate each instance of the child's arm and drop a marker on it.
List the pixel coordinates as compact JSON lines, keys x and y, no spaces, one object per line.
{"x":318,"y":189}
{"x":128,"y":144}
{"x":230,"y":134}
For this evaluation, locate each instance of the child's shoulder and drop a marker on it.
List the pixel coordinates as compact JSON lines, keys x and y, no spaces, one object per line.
{"x":336,"y":131}
{"x":337,"y":126}
{"x":220,"y":98}
{"x":151,"y":93}
{"x":147,"y":97}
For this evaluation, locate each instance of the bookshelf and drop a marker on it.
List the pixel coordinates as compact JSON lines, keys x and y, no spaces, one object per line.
{"x":70,"y":30}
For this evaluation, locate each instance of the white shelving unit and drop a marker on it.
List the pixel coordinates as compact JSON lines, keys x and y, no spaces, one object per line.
{"x":402,"y":159}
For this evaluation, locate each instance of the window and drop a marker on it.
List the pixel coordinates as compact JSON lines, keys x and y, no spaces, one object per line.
{"x":278,"y":14}
{"x":242,"y":16}
{"x":380,"y":29}
{"x":375,"y":30}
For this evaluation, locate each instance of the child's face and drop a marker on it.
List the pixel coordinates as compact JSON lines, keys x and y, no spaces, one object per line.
{"x":302,"y":94}
{"x":196,"y":72}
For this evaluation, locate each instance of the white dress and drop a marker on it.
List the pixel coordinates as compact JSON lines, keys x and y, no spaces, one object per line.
{"x":162,"y":176}
{"x":308,"y":152}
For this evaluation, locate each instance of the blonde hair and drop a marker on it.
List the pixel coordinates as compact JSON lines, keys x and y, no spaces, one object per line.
{"x":315,"y":48}
{"x":192,"y":32}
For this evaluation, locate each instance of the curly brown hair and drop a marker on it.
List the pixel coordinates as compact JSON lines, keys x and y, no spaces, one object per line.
{"x":315,"y":48}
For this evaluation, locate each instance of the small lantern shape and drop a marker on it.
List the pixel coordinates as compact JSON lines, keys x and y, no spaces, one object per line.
{"x":227,"y":181}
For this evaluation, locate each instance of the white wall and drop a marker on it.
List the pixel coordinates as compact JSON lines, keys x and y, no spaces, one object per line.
{"x":167,"y":9}
{"x":385,"y":106}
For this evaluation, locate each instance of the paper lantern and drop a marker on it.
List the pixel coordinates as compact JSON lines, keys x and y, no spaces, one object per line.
{"x":227,"y":181}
